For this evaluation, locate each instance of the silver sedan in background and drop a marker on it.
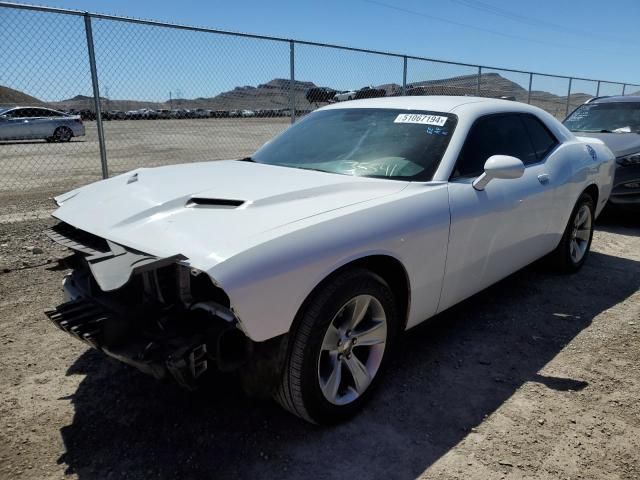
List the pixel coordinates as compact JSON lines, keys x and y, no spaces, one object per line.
{"x":26,"y":123}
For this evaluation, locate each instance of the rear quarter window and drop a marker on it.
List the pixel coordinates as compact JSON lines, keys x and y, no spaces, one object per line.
{"x":542,"y":139}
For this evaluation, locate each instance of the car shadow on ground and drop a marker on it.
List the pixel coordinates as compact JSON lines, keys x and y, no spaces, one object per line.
{"x":445,"y":378}
{"x":621,"y":222}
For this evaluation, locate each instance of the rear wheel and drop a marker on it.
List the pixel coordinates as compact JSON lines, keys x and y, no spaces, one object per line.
{"x":62,"y":134}
{"x":572,"y":252}
{"x":339,"y":348}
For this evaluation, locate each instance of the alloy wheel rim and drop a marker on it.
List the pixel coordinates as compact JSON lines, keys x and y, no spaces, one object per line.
{"x":352,"y":349}
{"x":64,"y":135}
{"x":580,"y":234}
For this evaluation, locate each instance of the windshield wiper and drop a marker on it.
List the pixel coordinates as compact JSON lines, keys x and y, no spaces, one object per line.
{"x":247,"y":159}
{"x":604,"y":130}
{"x":309,"y":168}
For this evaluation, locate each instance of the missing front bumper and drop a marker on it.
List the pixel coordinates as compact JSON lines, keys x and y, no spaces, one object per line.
{"x":183,"y":354}
{"x":183,"y":357}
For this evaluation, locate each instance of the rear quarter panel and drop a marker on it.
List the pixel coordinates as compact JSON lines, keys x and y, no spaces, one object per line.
{"x":573,"y":168}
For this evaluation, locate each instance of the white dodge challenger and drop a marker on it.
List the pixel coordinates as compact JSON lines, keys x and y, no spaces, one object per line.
{"x":299,"y":266}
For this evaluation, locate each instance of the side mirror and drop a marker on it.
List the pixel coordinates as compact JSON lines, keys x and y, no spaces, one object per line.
{"x":3,"y":117}
{"x":499,"y":166}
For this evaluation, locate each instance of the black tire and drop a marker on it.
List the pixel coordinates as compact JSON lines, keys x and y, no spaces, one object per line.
{"x":299,"y":390}
{"x":62,"y":134}
{"x":561,"y":258}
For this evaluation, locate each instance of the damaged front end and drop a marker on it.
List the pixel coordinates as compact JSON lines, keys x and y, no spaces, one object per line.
{"x":156,"y":314}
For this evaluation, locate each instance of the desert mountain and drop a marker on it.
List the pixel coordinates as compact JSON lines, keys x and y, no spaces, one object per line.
{"x":10,"y":97}
{"x":275,"y":95}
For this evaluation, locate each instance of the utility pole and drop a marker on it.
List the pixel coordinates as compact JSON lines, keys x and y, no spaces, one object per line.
{"x":170,"y":101}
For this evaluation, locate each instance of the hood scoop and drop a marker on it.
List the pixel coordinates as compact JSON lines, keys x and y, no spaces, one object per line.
{"x":201,"y":202}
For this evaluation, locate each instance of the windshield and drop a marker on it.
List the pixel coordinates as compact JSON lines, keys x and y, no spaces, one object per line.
{"x":366,"y":142}
{"x":623,"y":117}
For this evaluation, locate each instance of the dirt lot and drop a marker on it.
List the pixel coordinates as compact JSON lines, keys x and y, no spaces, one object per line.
{"x":538,"y":377}
{"x":32,"y":172}
{"x":130,"y":144}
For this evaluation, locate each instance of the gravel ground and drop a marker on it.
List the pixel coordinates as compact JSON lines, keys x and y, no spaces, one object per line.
{"x":536,"y":378}
{"x":37,"y":165}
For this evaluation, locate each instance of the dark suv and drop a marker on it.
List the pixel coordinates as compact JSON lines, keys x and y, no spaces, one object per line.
{"x":615,"y":121}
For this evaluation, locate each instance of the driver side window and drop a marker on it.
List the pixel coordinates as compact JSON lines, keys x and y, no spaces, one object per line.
{"x":498,"y":134}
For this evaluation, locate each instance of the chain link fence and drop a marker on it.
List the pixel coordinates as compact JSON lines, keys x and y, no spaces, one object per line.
{"x":144,"y":93}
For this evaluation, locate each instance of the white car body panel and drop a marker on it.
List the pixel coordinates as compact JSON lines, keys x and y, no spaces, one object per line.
{"x":297,"y":227}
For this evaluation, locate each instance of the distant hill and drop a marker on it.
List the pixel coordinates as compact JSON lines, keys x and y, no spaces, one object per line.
{"x":82,"y":102}
{"x":10,"y":97}
{"x":270,"y":95}
{"x":491,"y":85}
{"x":275,"y":95}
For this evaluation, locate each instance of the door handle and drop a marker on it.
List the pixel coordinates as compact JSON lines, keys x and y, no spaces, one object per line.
{"x":543,"y":178}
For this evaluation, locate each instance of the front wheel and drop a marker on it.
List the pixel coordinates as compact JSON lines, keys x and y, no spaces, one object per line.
{"x":62,"y":134}
{"x":338,"y":348}
{"x":572,"y":252}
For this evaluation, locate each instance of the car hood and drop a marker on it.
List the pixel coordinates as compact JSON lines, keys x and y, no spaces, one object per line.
{"x":620,"y":144}
{"x":212,"y":210}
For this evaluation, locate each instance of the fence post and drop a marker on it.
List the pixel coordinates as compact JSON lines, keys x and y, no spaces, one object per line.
{"x":478,"y":82}
{"x":292,"y":79}
{"x":530,"y":84}
{"x":624,"y":88}
{"x":96,"y":95}
{"x":598,"y":89}
{"x":404,"y":77}
{"x":566,"y":110}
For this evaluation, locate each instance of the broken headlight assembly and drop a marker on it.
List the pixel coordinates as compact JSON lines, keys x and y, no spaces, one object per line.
{"x":157,"y":314}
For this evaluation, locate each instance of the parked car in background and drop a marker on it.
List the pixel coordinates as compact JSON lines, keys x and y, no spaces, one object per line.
{"x":178,"y":113}
{"x":370,"y":92}
{"x":87,"y":114}
{"x":416,"y":91}
{"x":147,"y":114}
{"x":247,"y":113}
{"x":364,"y":92}
{"x":132,"y":115}
{"x":201,"y":113}
{"x":84,"y":114}
{"x":299,"y":266}
{"x":22,"y":123}
{"x":345,"y":95}
{"x":163,"y":113}
{"x":616,"y":121}
{"x":320,"y":94}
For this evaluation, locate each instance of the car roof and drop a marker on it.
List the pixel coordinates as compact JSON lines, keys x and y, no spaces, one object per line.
{"x":21,"y":107}
{"x":30,"y":106}
{"x":617,"y":99}
{"x":436,"y":103}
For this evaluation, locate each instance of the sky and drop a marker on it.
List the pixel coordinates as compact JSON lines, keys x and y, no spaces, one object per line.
{"x":46,"y":56}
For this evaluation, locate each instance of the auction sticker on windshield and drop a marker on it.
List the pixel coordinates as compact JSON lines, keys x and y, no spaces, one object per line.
{"x":421,"y":119}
